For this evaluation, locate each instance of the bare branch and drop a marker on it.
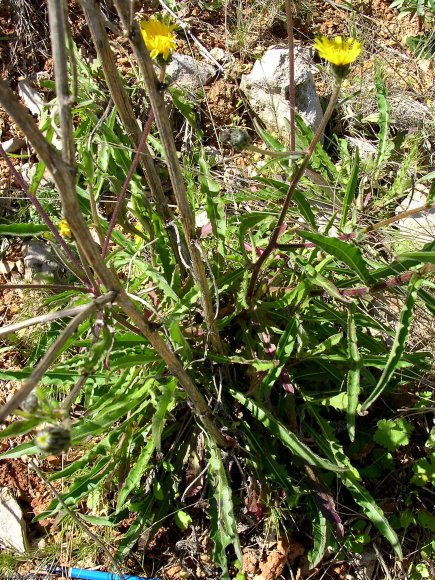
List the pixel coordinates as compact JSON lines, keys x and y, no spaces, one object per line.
{"x":52,"y":353}
{"x":43,"y":319}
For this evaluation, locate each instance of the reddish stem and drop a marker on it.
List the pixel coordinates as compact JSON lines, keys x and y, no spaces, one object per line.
{"x":280,"y":227}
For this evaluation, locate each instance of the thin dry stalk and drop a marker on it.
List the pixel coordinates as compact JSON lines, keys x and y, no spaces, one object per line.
{"x":52,"y":353}
{"x":132,"y":31}
{"x":122,"y":103}
{"x":280,"y":227}
{"x":43,"y":319}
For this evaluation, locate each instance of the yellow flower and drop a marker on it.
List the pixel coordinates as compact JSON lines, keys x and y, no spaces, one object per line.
{"x":64,"y":229}
{"x":338,"y":51}
{"x":158,"y":37}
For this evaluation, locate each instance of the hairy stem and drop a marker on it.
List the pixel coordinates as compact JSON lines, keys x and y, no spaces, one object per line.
{"x":125,"y":110}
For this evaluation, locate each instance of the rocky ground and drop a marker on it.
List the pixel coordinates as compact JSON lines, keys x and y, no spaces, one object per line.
{"x":230,"y":41}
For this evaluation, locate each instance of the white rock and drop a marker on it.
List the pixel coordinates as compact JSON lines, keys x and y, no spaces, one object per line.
{"x":14,"y":144}
{"x":366,"y":148}
{"x":12,"y":526}
{"x":188,"y":73}
{"x":31,"y":98}
{"x":416,"y":230}
{"x":267,"y":89}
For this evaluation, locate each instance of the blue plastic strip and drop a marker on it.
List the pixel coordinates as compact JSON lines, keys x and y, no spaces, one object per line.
{"x":94,"y":574}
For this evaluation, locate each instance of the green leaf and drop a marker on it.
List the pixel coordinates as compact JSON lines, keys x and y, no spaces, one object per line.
{"x":22,"y":230}
{"x":418,"y":257}
{"x":20,"y":427}
{"x":353,"y":375}
{"x":186,"y":108}
{"x":135,"y":474}
{"x":318,"y":280}
{"x":399,"y":342}
{"x":424,"y":471}
{"x":284,"y":350}
{"x":182,"y":519}
{"x":373,"y":512}
{"x":97,"y":521}
{"x":344,"y":251}
{"x":223,"y":523}
{"x":215,"y":205}
{"x":20,"y":450}
{"x":393,"y":433}
{"x":164,"y":405}
{"x":351,"y":190}
{"x":320,"y":539}
{"x":288,"y":438}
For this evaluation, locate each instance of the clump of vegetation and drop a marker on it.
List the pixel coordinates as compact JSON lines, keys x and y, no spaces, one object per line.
{"x":241,"y":364}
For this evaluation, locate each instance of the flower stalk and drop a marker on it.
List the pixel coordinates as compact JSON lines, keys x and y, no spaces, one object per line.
{"x":280,"y":227}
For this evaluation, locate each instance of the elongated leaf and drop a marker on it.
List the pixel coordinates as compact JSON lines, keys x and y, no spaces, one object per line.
{"x":81,"y":487}
{"x":223,"y":523}
{"x":164,"y":405}
{"x":136,"y":473}
{"x":418,"y":257}
{"x":318,"y":280}
{"x":130,"y":537}
{"x":353,"y":375}
{"x":23,"y":449}
{"x":19,"y":428}
{"x":346,"y":252}
{"x":215,"y":205}
{"x":324,"y":346}
{"x":384,"y":143}
{"x":428,"y":299}
{"x":320,"y":537}
{"x":399,"y":342}
{"x":373,"y":512}
{"x":288,"y":438}
{"x":81,"y":463}
{"x":22,"y":230}
{"x":186,"y":108}
{"x":250,"y":221}
{"x":351,"y":190}
{"x":335,"y":452}
{"x":284,"y":349}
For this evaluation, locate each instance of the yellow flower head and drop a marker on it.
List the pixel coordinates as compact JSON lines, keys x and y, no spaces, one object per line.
{"x":158,"y":37}
{"x":64,"y":229}
{"x":340,"y":52}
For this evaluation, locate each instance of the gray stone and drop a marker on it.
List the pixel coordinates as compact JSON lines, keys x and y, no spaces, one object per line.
{"x":416,"y":230}
{"x":12,"y":526}
{"x":39,"y":259}
{"x":367,"y":150}
{"x":185,"y":72}
{"x":407,"y":113}
{"x":267,"y":89}
{"x":28,"y":171}
{"x":13,"y":145}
